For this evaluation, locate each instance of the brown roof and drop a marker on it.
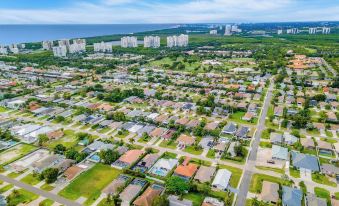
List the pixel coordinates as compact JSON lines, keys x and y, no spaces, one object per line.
{"x":182,"y":121}
{"x":324,"y":145}
{"x":307,"y":142}
{"x":114,"y":186}
{"x":186,"y":170}
{"x":157,"y":132}
{"x":269,"y":191}
{"x":161,"y":118}
{"x":131,"y":156}
{"x":71,"y":172}
{"x":205,"y":174}
{"x":55,"y":134}
{"x":185,"y":139}
{"x":211,"y":125}
{"x":146,"y":199}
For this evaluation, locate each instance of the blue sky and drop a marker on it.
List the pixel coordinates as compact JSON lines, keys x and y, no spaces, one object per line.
{"x":165,"y":11}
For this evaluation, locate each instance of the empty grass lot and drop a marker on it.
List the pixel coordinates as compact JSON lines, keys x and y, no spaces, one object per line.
{"x":90,"y":183}
{"x":31,"y":179}
{"x":15,"y":153}
{"x":23,"y":197}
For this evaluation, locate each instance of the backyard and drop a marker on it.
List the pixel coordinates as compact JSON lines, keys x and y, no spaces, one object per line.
{"x":90,"y":183}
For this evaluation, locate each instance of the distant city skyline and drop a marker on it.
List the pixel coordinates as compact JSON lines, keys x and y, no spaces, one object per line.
{"x":162,"y":11}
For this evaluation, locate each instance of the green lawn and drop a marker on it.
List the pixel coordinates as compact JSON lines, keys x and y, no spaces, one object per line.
{"x":192,"y":150}
{"x":15,"y":174}
{"x":168,"y":144}
{"x":236,"y":174}
{"x":277,"y":170}
{"x":90,"y":183}
{"x":46,"y":202}
{"x":257,"y":180}
{"x":265,"y":144}
{"x":322,"y":193}
{"x":123,"y":134}
{"x":196,"y":198}
{"x":47,"y":187}
{"x":210,"y":154}
{"x":3,"y":109}
{"x":294,"y":172}
{"x":336,"y":195}
{"x":169,"y":155}
{"x":6,"y":188}
{"x":15,"y":153}
{"x":104,"y":202}
{"x":322,"y":179}
{"x":68,"y":140}
{"x":237,"y":117}
{"x":23,"y":197}
{"x":31,"y":179}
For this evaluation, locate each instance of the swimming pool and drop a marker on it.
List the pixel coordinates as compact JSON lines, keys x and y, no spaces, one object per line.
{"x":95,"y":158}
{"x":159,"y":172}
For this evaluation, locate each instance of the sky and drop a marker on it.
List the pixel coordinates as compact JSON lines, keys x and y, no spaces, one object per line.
{"x":165,"y":11}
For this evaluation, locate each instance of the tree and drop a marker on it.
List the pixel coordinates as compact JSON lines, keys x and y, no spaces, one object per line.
{"x":50,"y":175}
{"x":71,"y":153}
{"x":59,"y":149}
{"x":42,"y":139}
{"x":177,"y":185}
{"x":160,"y":200}
{"x":108,"y":156}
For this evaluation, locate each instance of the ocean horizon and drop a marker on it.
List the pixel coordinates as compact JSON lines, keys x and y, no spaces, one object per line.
{"x":25,"y":33}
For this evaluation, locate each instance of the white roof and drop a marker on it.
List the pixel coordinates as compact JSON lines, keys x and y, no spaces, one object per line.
{"x":135,"y":128}
{"x":222,"y":178}
{"x":153,"y":115}
{"x":28,"y":128}
{"x":18,"y":101}
{"x":166,"y":163}
{"x":41,"y":130}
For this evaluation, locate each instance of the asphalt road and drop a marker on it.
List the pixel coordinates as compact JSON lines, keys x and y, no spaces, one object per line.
{"x":250,"y":165}
{"x":40,"y":192}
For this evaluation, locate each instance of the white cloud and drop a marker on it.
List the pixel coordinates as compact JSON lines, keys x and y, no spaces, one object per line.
{"x":193,"y":11}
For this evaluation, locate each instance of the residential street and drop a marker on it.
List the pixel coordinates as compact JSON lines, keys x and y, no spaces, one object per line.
{"x":250,"y":165}
{"x":40,"y":192}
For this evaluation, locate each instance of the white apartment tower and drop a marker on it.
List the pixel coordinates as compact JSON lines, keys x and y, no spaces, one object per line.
{"x":152,"y":41}
{"x":228,"y":30}
{"x":312,"y":30}
{"x":292,"y":31}
{"x":177,"y":41}
{"x":102,"y":47}
{"x":59,"y":51}
{"x":214,"y":32}
{"x":64,"y":42}
{"x":326,"y":30}
{"x":3,"y":50}
{"x":129,"y":41}
{"x":79,"y":45}
{"x":280,"y":31}
{"x":47,"y":45}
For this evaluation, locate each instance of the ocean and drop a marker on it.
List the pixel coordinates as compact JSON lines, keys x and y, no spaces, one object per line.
{"x":34,"y":33}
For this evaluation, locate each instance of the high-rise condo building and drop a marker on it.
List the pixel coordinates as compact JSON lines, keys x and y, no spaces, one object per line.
{"x":214,"y":32}
{"x":102,"y":47}
{"x":312,"y":30}
{"x":78,"y":45}
{"x":228,"y":30}
{"x":129,"y":41}
{"x":152,"y":41}
{"x":177,"y":41}
{"x":59,"y":51}
{"x":326,"y":30}
{"x":47,"y":45}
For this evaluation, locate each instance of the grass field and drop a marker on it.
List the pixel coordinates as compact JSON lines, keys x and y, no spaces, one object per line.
{"x":30,"y":179}
{"x":322,"y":179}
{"x":191,"y":150}
{"x":294,"y":172}
{"x":46,"y":202}
{"x":68,"y":140}
{"x":15,"y":153}
{"x":322,"y":193}
{"x":90,"y":183}
{"x":277,"y":170}
{"x":46,"y":187}
{"x":257,"y":180}
{"x":23,"y":197}
{"x":168,"y":144}
{"x":196,"y":198}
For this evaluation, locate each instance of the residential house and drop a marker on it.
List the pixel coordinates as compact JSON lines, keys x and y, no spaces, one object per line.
{"x":307,"y":143}
{"x":146,"y":162}
{"x":186,"y":170}
{"x":329,"y":169}
{"x":291,"y":196}
{"x":205,"y":174}
{"x":211,"y":201}
{"x":313,"y":200}
{"x":146,"y":199}
{"x":280,"y":153}
{"x":290,"y":139}
{"x":115,"y":185}
{"x":163,"y":166}
{"x":305,"y":162}
{"x":269,"y":192}
{"x":185,"y":140}
{"x":128,"y":158}
{"x":222,"y":179}
{"x":230,"y":128}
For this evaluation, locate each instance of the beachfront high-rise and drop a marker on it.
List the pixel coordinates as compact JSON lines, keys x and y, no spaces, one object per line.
{"x":312,"y":30}
{"x":326,"y":30}
{"x":129,"y":41}
{"x":47,"y":45}
{"x":177,"y":41}
{"x":228,"y":30}
{"x":3,"y":50}
{"x":78,"y":45}
{"x":59,"y":51}
{"x":152,"y":41}
{"x":64,"y":42}
{"x":214,"y":32}
{"x":103,"y":47}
